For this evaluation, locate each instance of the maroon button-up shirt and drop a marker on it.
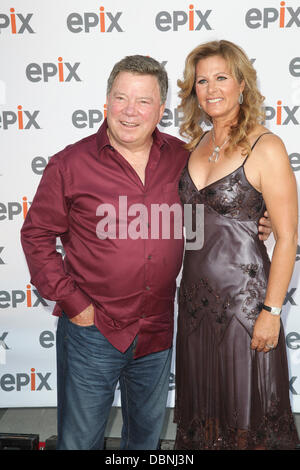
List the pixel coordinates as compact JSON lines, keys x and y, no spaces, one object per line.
{"x":90,"y":197}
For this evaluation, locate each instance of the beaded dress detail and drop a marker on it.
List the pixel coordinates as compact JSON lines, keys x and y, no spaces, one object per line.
{"x":227,"y":395}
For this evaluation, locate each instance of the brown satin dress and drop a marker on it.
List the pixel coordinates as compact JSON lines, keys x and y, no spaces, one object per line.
{"x":227,"y":395}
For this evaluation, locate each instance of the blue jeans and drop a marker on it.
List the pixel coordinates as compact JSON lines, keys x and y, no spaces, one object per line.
{"x":88,"y":370}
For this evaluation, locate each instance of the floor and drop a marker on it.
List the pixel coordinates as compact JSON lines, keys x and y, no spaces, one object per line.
{"x":42,"y":421}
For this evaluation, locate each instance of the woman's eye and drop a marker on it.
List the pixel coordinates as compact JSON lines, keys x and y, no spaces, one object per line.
{"x":221,"y":77}
{"x":201,"y":81}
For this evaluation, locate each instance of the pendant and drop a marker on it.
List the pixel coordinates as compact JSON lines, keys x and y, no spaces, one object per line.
{"x":215,"y":155}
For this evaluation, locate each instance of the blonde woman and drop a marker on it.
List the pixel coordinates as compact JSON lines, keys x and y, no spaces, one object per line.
{"x":231,"y":366}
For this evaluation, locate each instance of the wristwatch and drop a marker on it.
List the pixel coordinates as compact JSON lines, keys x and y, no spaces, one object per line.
{"x":272,"y":310}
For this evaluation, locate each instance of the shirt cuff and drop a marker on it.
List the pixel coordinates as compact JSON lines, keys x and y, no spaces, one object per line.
{"x":74,"y":303}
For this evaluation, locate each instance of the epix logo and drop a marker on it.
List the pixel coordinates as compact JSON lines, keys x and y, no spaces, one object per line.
{"x":295,"y":164}
{"x":294,"y":67}
{"x":283,"y":17}
{"x":193,"y":20}
{"x":92,"y":117}
{"x":289,"y":296}
{"x":1,"y":259}
{"x":102,"y":22}
{"x":171,"y":118}
{"x":33,"y":381}
{"x":283,"y":115}
{"x":89,"y":118}
{"x":3,"y":347}
{"x":29,"y":298}
{"x":22,"y":119}
{"x":62,"y":71}
{"x":16,"y":23}
{"x":12,"y":209}
{"x":38,"y":164}
{"x":2,"y":340}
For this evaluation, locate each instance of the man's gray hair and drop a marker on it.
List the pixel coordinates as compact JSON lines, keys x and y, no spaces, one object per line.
{"x":142,"y":65}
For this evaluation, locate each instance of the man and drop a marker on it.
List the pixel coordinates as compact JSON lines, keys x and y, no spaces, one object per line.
{"x":114,"y":292}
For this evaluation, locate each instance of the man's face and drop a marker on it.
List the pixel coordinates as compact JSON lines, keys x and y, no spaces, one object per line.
{"x":133,"y":109}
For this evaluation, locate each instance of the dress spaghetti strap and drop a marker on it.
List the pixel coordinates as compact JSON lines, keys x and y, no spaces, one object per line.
{"x":259,"y":138}
{"x":204,"y":133}
{"x":255,"y":144}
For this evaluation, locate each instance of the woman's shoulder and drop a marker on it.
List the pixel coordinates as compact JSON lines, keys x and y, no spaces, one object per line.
{"x":267,"y":147}
{"x":262,"y":139}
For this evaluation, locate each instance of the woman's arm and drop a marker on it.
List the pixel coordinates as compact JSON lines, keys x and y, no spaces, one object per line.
{"x":278,"y":187}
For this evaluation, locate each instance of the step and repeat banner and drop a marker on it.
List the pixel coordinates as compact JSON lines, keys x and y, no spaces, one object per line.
{"x":55,"y":58}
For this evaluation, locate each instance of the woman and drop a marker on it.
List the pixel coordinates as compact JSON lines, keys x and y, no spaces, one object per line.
{"x":231,"y":368}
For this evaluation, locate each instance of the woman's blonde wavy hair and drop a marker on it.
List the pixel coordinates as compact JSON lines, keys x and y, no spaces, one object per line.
{"x":251,"y":111}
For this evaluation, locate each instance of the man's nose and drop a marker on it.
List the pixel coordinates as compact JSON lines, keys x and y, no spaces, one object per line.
{"x":130,"y":108}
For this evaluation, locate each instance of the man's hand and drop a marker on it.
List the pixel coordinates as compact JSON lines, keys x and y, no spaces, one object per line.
{"x":264,"y":227}
{"x":85,"y":318}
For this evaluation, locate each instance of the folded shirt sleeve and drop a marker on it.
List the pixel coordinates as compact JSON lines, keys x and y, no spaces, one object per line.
{"x":47,"y":219}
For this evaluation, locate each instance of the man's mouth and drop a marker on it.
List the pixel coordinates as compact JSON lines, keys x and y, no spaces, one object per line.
{"x":128,"y":124}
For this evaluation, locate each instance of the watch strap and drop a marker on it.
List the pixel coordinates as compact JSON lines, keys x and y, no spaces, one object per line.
{"x":272,"y":310}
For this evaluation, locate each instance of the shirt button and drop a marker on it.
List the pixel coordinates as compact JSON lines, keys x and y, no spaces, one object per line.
{"x":147,"y":287}
{"x":150,"y":257}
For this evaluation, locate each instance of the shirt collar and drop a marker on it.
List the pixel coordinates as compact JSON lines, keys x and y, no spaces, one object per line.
{"x":102,"y":137}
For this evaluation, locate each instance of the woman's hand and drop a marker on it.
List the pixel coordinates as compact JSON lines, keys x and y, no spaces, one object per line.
{"x":266,"y":332}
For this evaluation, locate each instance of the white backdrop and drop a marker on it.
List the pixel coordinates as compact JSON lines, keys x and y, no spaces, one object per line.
{"x":55,"y":59}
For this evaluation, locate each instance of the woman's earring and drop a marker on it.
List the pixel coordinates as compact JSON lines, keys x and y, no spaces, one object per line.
{"x":199,"y":106}
{"x":241,"y":98}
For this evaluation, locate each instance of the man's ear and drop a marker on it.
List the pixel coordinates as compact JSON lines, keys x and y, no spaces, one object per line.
{"x":161,"y":111}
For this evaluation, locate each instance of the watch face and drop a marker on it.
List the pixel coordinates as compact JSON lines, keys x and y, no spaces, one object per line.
{"x":275,"y":310}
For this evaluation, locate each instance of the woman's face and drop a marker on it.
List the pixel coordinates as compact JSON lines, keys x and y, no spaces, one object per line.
{"x":216,"y":88}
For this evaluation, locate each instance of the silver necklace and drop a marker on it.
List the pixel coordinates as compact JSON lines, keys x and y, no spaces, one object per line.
{"x":216,"y":151}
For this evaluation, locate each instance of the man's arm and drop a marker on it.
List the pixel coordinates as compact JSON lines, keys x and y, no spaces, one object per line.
{"x":46,"y":220}
{"x":265,"y":227}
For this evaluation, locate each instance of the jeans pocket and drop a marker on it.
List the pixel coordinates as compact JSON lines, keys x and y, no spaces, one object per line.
{"x":81,"y":326}
{"x":75,"y":324}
